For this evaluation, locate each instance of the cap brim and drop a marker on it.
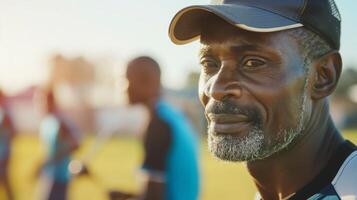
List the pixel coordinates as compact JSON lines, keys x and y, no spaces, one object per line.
{"x":186,"y":25}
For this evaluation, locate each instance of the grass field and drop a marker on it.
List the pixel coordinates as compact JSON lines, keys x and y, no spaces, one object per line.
{"x":114,"y":167}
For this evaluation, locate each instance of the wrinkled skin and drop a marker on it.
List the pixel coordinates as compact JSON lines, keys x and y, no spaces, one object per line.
{"x":264,"y":108}
{"x":252,"y":84}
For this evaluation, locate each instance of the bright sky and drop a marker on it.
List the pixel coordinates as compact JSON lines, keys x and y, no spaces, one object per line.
{"x":33,"y":29}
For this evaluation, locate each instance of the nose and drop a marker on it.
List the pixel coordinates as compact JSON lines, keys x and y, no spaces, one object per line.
{"x":224,"y":84}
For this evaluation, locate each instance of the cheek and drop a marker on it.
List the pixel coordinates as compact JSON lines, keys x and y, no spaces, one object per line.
{"x":130,"y":90}
{"x":285,"y":105}
{"x":286,"y":110}
{"x":133,"y":92}
{"x":202,"y":86}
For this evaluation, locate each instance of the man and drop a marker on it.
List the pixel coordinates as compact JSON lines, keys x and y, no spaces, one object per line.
{"x":268,"y":68}
{"x":170,"y":165}
{"x":61,"y":139}
{"x":7,"y":133}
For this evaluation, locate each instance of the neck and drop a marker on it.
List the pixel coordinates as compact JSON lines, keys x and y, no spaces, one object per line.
{"x":285,"y":173}
{"x":150,"y":105}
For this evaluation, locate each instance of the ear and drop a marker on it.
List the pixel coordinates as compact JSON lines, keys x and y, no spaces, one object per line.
{"x":327,"y":73}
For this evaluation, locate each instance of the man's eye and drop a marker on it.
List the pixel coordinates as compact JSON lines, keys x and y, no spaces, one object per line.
{"x":209,"y":65}
{"x":253,"y":63}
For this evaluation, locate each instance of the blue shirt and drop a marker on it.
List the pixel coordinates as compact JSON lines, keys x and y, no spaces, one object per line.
{"x":49,"y":132}
{"x":4,"y":137}
{"x":177,"y":153}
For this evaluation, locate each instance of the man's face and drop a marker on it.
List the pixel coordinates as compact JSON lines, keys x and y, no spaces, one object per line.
{"x":136,"y":90}
{"x":142,"y":83}
{"x":253,"y":88}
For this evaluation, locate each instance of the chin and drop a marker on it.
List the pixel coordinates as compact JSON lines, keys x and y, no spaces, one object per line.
{"x":236,"y":148}
{"x":251,"y":146}
{"x":133,"y":101}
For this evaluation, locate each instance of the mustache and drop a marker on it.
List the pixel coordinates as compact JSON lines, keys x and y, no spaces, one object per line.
{"x":230,"y":107}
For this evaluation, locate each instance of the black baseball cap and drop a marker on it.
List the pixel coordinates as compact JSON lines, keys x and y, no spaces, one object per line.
{"x":320,"y":16}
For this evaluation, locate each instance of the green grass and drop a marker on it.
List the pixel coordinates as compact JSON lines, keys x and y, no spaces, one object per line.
{"x":114,"y":167}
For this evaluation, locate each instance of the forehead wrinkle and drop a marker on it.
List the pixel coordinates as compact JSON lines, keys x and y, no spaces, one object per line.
{"x":246,"y":47}
{"x":208,"y":48}
{"x":239,"y":37}
{"x":235,"y":46}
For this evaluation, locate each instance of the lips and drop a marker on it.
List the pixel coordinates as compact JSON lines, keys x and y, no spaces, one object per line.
{"x":233,"y":124}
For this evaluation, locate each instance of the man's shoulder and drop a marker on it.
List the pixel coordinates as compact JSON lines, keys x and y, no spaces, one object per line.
{"x":338,"y":180}
{"x":345,"y":181}
{"x":344,"y":184}
{"x":158,"y":132}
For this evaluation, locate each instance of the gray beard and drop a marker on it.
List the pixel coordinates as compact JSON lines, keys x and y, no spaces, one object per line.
{"x":255,"y":145}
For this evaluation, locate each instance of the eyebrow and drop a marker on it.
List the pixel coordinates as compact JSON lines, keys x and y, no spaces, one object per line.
{"x":204,"y":51}
{"x":246,"y":47}
{"x":207,"y":50}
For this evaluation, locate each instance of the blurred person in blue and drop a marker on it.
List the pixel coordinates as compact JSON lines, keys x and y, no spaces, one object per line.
{"x":60,"y":137}
{"x":7,"y":133}
{"x":170,"y":166}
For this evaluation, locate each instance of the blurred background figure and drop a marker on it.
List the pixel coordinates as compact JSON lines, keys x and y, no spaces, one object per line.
{"x":170,"y":168}
{"x":60,"y":137}
{"x":7,"y":133}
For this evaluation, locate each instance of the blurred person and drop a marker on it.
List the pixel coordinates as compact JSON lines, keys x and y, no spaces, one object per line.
{"x":7,"y":133}
{"x":60,"y":137}
{"x":268,"y":68}
{"x":170,"y":167}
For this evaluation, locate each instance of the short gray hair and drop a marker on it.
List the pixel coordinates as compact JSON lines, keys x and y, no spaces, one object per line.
{"x":310,"y":44}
